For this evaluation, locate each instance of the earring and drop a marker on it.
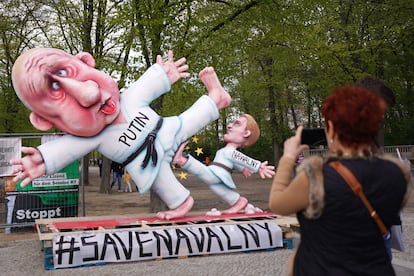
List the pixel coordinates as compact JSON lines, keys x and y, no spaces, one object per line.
{"x":331,"y":141}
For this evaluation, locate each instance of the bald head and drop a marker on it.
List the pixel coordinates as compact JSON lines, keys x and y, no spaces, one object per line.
{"x":65,"y":91}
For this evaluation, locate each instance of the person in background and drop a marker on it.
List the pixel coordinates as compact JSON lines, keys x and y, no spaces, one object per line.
{"x":242,"y":132}
{"x":117,"y":172}
{"x":338,"y":234}
{"x":127,"y":180}
{"x":387,"y":97}
{"x":387,"y":100}
{"x":100,"y":161}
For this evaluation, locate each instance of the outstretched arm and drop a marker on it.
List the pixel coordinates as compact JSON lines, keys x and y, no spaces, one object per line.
{"x":248,"y":165}
{"x":29,"y":167}
{"x":175,"y":69}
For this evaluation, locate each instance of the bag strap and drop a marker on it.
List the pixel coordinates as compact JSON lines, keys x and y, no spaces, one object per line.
{"x":357,"y":189}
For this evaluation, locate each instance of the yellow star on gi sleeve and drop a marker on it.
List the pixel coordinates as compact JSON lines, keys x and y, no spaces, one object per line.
{"x":194,"y":139}
{"x":182,"y":175}
{"x":199,"y":151}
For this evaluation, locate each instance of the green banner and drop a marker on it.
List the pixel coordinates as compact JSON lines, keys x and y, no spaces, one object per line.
{"x":49,"y":196}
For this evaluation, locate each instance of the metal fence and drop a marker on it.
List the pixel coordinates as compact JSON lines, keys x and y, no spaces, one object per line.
{"x":406,"y":151}
{"x":49,"y":197}
{"x":57,"y":195}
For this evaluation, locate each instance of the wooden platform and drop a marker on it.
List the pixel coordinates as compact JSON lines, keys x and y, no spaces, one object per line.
{"x":173,"y":238}
{"x":48,"y":228}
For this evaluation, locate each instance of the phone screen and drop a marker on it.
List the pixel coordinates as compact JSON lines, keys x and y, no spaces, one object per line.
{"x":313,"y":137}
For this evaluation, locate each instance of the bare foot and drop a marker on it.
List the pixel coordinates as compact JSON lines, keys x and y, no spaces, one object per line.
{"x":215,"y":90}
{"x":178,"y":212}
{"x":237,"y":207}
{"x":179,"y":159}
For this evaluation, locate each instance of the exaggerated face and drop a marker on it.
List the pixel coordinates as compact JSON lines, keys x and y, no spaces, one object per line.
{"x":66,"y":92}
{"x":236,"y":132}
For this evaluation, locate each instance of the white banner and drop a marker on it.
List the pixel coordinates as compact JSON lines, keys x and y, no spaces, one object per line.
{"x":49,"y":137}
{"x":56,"y":179}
{"x":10,"y":148}
{"x":127,"y":245}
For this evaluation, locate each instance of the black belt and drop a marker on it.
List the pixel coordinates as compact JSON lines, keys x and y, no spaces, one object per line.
{"x":221,"y":165}
{"x":149,"y":144}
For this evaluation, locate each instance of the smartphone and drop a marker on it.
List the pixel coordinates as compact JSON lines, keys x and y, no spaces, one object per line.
{"x":313,"y":137}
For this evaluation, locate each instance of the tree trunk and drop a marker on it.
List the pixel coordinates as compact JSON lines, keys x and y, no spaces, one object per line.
{"x":85,"y":169}
{"x":106,"y":176}
{"x":276,"y":152}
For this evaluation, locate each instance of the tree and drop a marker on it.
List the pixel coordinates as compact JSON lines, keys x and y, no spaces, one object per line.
{"x":278,"y":59}
{"x":16,"y":33}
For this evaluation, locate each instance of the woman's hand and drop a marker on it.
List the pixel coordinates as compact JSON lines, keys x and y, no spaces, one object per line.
{"x":293,"y":146}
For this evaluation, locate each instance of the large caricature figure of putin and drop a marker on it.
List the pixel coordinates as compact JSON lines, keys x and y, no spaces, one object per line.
{"x":67,"y":92}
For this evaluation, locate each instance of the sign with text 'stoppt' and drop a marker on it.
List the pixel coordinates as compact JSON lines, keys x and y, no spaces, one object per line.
{"x":125,"y":245}
{"x":52,"y":196}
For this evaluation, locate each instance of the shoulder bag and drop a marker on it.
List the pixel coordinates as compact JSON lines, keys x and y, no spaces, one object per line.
{"x":357,"y":189}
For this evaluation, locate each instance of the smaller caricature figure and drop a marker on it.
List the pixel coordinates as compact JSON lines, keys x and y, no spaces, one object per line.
{"x":242,"y":132}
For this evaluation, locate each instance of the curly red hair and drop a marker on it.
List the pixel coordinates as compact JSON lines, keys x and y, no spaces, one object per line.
{"x":355,"y":113}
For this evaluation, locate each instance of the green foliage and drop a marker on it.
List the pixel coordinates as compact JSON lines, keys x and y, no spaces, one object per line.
{"x":278,"y":59}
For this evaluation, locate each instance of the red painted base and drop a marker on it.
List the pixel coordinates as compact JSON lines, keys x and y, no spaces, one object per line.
{"x":114,"y":222}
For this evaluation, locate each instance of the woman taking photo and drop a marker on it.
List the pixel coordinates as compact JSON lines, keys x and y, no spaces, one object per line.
{"x":338,"y":234}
